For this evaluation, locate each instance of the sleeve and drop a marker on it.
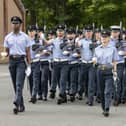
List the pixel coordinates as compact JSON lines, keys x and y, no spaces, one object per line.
{"x":115,"y":55}
{"x":28,"y":43}
{"x":80,"y":43}
{"x":6,"y":43}
{"x":50,"y":48}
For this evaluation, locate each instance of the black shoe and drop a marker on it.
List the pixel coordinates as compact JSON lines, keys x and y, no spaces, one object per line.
{"x":22,"y":108}
{"x":15,"y":110}
{"x":40,"y":98}
{"x":80,"y":97}
{"x":62,"y":99}
{"x":45,"y":99}
{"x":123,"y":101}
{"x":98,"y":100}
{"x":90,"y":103}
{"x":33,"y":100}
{"x":116,"y":103}
{"x":106,"y":113}
{"x":72,"y":98}
{"x":52,"y":95}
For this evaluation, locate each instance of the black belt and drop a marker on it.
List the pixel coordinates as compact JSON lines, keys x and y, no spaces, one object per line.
{"x":44,"y":62}
{"x":104,"y":67}
{"x":16,"y":57}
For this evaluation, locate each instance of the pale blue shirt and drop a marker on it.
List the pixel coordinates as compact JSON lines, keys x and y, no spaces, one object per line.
{"x":17,"y":43}
{"x":113,"y":43}
{"x":106,"y":55}
{"x":57,"y":52}
{"x":86,"y":52}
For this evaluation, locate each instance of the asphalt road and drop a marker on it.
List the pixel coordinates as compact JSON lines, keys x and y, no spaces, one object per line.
{"x":50,"y":114}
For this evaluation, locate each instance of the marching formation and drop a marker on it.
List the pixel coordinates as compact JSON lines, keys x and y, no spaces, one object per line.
{"x":88,"y":63}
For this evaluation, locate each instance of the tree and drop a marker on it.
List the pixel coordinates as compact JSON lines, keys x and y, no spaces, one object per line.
{"x":76,"y":12}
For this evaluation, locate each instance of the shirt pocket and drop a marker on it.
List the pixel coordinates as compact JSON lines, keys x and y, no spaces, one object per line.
{"x":10,"y":42}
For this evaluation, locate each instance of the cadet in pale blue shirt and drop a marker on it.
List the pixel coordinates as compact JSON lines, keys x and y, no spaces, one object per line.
{"x":116,"y":42}
{"x":87,"y":71}
{"x":34,"y":78}
{"x":106,"y":57}
{"x":60,"y":66}
{"x":17,"y":45}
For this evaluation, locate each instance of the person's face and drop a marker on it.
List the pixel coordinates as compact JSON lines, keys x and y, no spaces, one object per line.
{"x":105,"y":40}
{"x":115,"y":34}
{"x":97,"y":35}
{"x":16,"y":27}
{"x":60,"y":33}
{"x":70,"y":36}
{"x":74,"y":35}
{"x":88,"y":34}
{"x":40,"y":33}
{"x":50,"y":36}
{"x":32,"y":33}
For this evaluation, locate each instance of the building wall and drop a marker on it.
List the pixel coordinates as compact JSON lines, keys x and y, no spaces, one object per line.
{"x":8,"y":10}
{"x":1,"y":21}
{"x":14,"y":11}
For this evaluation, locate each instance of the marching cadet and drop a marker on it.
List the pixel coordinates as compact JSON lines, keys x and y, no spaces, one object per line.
{"x":41,"y":34}
{"x":17,"y":45}
{"x":51,"y":36}
{"x":35,"y":63}
{"x":86,"y":70}
{"x":60,"y":66}
{"x":31,"y":34}
{"x":106,"y":57}
{"x":45,"y":57}
{"x":98,"y":35}
{"x":74,"y":54}
{"x":98,"y":41}
{"x":116,"y":42}
{"x":122,"y":56}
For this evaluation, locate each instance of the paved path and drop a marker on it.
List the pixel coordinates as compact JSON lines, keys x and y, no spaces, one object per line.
{"x":50,"y":114}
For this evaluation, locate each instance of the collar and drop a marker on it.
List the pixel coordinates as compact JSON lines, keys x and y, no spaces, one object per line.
{"x":87,"y":39}
{"x":18,"y":33}
{"x":108,"y":46}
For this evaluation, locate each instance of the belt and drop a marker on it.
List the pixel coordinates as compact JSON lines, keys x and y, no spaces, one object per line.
{"x":120,"y":62}
{"x":17,"y":57}
{"x":73,"y":62}
{"x":104,"y":67}
{"x":42,"y":60}
{"x":34,"y":60}
{"x":83,"y":61}
{"x":60,"y":60}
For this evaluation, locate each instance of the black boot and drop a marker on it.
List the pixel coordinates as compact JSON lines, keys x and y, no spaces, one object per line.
{"x":16,"y":108}
{"x":52,"y":94}
{"x":72,"y":98}
{"x":62,"y":99}
{"x":33,"y":100}
{"x":116,"y":103}
{"x":106,"y":112}
{"x":123,"y":101}
{"x":98,"y":100}
{"x":40,"y":98}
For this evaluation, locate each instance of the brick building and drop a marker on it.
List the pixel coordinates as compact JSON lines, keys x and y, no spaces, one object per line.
{"x":9,"y":8}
